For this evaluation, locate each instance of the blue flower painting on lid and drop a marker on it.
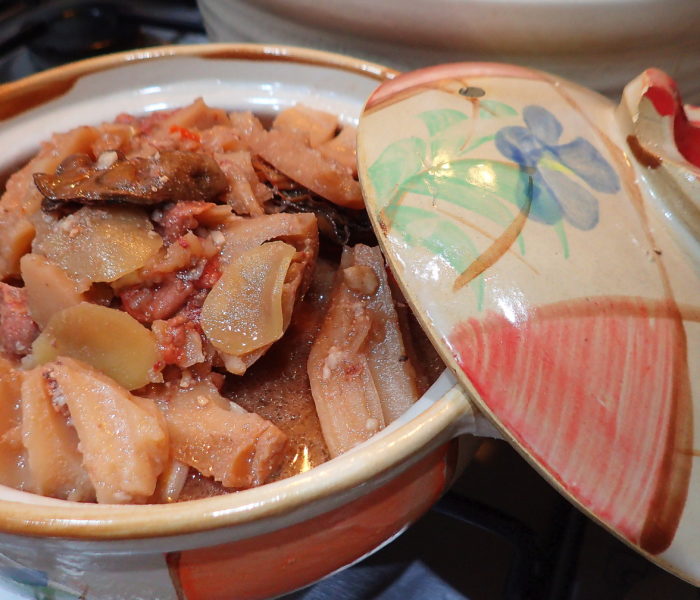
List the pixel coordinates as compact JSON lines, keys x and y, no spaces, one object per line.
{"x":560,"y":172}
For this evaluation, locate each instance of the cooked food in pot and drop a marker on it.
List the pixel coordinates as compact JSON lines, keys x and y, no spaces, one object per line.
{"x":190,"y":304}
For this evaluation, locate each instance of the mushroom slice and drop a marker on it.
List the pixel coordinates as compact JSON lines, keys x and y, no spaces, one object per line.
{"x":165,"y":177}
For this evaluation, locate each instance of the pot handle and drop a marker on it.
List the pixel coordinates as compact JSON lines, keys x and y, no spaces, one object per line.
{"x":471,"y":420}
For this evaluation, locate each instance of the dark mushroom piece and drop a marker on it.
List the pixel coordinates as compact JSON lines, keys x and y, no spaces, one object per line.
{"x":339,"y":225}
{"x":112,"y":178}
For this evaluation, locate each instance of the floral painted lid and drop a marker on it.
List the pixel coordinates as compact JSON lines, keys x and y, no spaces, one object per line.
{"x":549,"y":241}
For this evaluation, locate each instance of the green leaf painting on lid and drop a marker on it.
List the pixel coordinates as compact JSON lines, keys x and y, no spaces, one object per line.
{"x":488,"y":109}
{"x":478,"y":142}
{"x":440,"y":119}
{"x":448,"y":136}
{"x":462,"y":184}
{"x":440,"y":236}
{"x":446,"y":144}
{"x":398,"y":162}
{"x":476,"y":185}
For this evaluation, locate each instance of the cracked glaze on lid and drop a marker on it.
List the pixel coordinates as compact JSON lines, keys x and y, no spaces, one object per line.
{"x":549,"y":242}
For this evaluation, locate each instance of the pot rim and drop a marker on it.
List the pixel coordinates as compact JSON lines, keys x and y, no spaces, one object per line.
{"x":29,"y":92}
{"x":435,"y":420}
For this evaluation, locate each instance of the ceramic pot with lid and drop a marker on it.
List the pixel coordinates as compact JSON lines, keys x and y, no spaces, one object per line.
{"x":545,"y":238}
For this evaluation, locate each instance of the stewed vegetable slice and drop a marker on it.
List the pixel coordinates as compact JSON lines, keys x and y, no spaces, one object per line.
{"x":348,"y":405}
{"x":392,"y":372}
{"x":297,"y":230}
{"x":243,"y":312}
{"x":49,"y":289}
{"x":315,"y":126}
{"x":360,"y":377}
{"x":287,"y":152}
{"x":21,"y":200}
{"x":13,"y":471}
{"x":237,"y":448}
{"x":99,"y":244}
{"x":106,"y":338}
{"x":171,"y":481}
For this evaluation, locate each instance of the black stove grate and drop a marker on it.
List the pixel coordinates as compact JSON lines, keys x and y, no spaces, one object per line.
{"x":37,"y":35}
{"x":539,"y":568}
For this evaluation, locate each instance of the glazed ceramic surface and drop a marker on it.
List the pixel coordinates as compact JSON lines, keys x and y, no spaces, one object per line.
{"x":291,"y":529}
{"x":549,"y":241}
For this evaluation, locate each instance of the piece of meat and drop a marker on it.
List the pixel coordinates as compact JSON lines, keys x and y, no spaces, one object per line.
{"x":165,"y":177}
{"x":147,"y":304}
{"x":162,"y":287}
{"x":17,"y":328}
{"x":210,"y":275}
{"x":179,"y":340}
{"x":177,"y":219}
{"x":187,"y":258}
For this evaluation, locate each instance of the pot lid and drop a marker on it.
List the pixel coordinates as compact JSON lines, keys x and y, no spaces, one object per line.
{"x":548,"y":242}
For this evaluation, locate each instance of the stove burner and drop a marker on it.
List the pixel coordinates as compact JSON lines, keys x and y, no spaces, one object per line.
{"x":84,"y":31}
{"x":36,"y":35}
